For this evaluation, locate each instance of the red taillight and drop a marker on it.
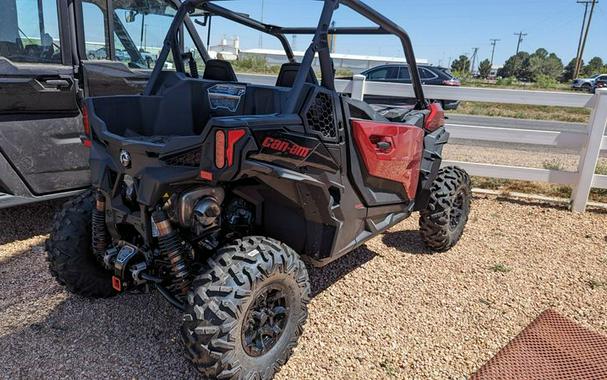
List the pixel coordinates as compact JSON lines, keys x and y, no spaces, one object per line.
{"x":452,"y":82}
{"x":224,"y":147}
{"x":86,"y":139}
{"x":220,"y":149}
{"x":436,"y":117}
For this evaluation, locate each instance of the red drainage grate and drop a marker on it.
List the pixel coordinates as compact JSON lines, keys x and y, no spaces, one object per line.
{"x":551,"y":347}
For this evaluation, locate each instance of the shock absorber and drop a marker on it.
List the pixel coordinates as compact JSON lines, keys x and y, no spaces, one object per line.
{"x":100,"y":235}
{"x":172,"y":248}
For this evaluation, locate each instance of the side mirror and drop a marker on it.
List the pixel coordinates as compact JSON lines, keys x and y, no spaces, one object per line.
{"x":130,"y":16}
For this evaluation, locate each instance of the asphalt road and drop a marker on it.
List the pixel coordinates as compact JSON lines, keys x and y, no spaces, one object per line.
{"x":464,"y":119}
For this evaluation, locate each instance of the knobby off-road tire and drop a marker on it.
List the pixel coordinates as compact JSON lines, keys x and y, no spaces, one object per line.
{"x":70,"y":252}
{"x":442,"y":222}
{"x":225,"y":297}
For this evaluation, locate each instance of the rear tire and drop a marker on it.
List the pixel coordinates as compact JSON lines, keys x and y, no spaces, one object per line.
{"x":70,"y":252}
{"x":255,"y":285}
{"x":442,"y":222}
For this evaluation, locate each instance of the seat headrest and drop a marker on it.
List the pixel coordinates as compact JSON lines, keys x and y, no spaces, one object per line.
{"x":216,"y":69}
{"x":288,"y":73}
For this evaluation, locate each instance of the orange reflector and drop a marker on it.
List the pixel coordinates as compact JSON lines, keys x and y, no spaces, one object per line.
{"x":206,"y":175}
{"x":220,"y":149}
{"x":116,"y":284}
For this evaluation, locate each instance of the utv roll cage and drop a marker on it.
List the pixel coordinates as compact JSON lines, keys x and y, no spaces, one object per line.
{"x":318,"y":46}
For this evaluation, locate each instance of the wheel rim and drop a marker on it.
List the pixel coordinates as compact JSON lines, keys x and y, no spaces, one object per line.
{"x":265,"y":321}
{"x":457,"y":211}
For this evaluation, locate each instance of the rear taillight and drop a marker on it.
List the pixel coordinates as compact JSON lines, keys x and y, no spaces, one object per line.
{"x":436,"y":117}
{"x":224,"y":146}
{"x":220,"y":149}
{"x":86,"y":127}
{"x":452,"y":82}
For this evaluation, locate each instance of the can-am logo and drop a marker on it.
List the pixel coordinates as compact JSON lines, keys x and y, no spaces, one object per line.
{"x":285,"y":146}
{"x":125,"y":158}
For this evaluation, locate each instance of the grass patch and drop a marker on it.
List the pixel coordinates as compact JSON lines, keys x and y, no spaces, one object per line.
{"x":390,"y":370}
{"x":553,"y":164}
{"x":500,"y":268}
{"x":256,"y":65}
{"x":596,"y":284}
{"x":523,"y":111}
{"x":538,"y":188}
{"x":601,"y":168}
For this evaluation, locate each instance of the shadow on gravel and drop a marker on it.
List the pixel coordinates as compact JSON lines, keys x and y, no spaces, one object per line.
{"x":23,"y":222}
{"x":129,"y":336}
{"x":322,"y":278}
{"x":407,"y":241}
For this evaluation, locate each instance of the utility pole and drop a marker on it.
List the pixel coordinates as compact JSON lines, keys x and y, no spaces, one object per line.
{"x":521,"y":36}
{"x":260,"y":33}
{"x":493,"y":43}
{"x":582,"y":43}
{"x":474,"y":54}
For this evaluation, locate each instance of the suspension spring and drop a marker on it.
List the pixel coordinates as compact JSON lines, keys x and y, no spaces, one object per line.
{"x":173,"y":249}
{"x":100,"y":234}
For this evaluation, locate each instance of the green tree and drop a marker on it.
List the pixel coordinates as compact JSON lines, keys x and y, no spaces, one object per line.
{"x":516,"y":66}
{"x":569,"y":70}
{"x":462,"y":64}
{"x":594,"y":66}
{"x":484,"y":68}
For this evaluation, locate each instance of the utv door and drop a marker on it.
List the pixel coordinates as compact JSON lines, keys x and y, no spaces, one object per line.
{"x":40,"y":121}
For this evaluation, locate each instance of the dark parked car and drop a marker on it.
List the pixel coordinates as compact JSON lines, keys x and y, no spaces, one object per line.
{"x":430,"y":75}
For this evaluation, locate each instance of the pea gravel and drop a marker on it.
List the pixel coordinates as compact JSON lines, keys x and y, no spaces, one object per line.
{"x":387,"y":310}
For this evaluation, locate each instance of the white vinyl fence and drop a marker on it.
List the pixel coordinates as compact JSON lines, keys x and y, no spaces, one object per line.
{"x":588,"y":142}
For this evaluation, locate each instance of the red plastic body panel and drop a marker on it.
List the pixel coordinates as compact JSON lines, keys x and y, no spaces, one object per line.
{"x":401,"y":161}
{"x":436,"y":118}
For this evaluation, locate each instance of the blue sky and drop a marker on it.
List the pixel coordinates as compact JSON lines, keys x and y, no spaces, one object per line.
{"x":442,"y":28}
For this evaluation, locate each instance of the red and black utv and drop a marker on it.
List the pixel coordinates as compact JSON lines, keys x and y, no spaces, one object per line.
{"x":213,"y":190}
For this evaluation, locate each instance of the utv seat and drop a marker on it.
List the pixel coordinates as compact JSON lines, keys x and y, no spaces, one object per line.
{"x":216,"y":69}
{"x":288,"y":73}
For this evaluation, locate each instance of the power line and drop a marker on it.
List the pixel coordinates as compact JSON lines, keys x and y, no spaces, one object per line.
{"x":494,"y":42}
{"x":584,"y":33}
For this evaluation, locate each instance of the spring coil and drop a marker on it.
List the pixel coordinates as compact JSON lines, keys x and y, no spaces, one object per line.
{"x":99,"y":231}
{"x":172,"y":248}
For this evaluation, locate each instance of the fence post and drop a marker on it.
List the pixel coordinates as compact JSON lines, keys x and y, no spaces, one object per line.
{"x":358,"y":87}
{"x":590,"y":153}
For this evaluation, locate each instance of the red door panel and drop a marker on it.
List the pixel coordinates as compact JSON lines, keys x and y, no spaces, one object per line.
{"x":390,"y":151}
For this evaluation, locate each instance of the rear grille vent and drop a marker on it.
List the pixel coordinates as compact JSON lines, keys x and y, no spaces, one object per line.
{"x":190,"y":158}
{"x":321,"y":116}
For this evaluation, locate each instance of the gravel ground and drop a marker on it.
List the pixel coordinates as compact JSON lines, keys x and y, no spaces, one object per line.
{"x":387,"y":310}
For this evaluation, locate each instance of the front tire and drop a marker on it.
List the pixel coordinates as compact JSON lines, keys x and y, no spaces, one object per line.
{"x":246,"y":310}
{"x":442,"y":222}
{"x":70,"y":251}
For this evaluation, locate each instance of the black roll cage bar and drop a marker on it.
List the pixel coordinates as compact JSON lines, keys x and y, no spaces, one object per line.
{"x":318,"y":46}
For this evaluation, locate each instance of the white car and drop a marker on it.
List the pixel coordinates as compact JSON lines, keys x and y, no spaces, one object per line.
{"x":588,"y":83}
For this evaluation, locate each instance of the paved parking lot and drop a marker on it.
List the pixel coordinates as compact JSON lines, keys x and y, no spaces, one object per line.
{"x":388,"y":310}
